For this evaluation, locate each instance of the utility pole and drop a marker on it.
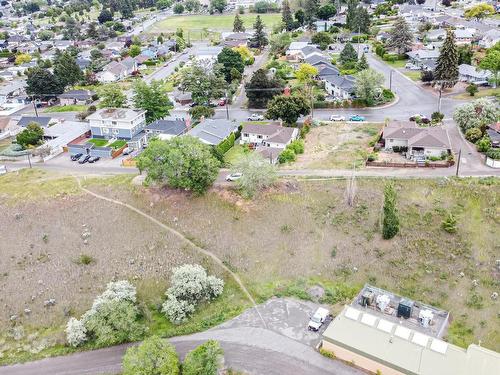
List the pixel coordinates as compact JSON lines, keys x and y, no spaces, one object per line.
{"x":458,"y":161}
{"x":227,"y":109}
{"x":390,"y":80}
{"x":359,"y":34}
{"x":439,"y":99}
{"x":29,"y":159}
{"x":34,"y":106}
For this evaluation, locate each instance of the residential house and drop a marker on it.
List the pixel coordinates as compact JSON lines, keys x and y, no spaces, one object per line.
{"x":490,"y":38}
{"x":166,"y":129}
{"x":464,"y":36}
{"x":120,"y":123}
{"x":493,"y":132}
{"x":436,"y":35}
{"x":341,"y":87}
{"x":420,"y":56}
{"x":471,"y":74}
{"x":80,"y":97}
{"x":183,"y":98}
{"x":62,"y":45}
{"x":309,"y":51}
{"x":83,"y":63}
{"x":269,"y":135}
{"x":420,"y":142}
{"x":213,"y":132}
{"x":4,"y":124}
{"x":236,"y":39}
{"x":117,"y":70}
{"x":384,"y":333}
{"x":208,"y":54}
{"x":323,"y":25}
{"x":10,"y":91}
{"x":328,"y":71}
{"x":318,"y":61}
{"x":42,"y":121}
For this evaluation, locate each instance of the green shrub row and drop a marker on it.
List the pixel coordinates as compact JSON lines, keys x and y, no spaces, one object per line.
{"x":226,"y":144}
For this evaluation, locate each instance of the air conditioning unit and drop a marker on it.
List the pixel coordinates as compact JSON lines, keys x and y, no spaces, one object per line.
{"x":405,"y":308}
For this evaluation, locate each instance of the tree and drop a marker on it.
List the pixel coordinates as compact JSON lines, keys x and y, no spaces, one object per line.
{"x":286,"y":16}
{"x":206,"y":359}
{"x":203,"y":82}
{"x":111,"y":96}
{"x":178,"y":8}
{"x":199,"y":111}
{"x":42,"y":83}
{"x":390,"y":220}
{"x":257,"y":174}
{"x":258,"y":39}
{"x":245,"y":54}
{"x":479,"y":11}
{"x":163,"y":4}
{"x":287,"y":108}
{"x":369,"y":85}
{"x":154,"y":356}
{"x":323,"y":39}
{"x":351,"y":14}
{"x":361,"y":21}
{"x":230,"y":59}
{"x":134,"y":50}
{"x":472,"y":89}
{"x":362,"y":64}
{"x":311,"y":10}
{"x":476,"y":114}
{"x":182,"y":162}
{"x":484,"y":144}
{"x":306,"y":73}
{"x":300,"y":16}
{"x":446,"y":72}
{"x":473,"y":134}
{"x":45,"y":35}
{"x":31,"y":136}
{"x":400,"y":36}
{"x":192,"y":5}
{"x":22,"y":58}
{"x":446,"y":3}
{"x":326,"y":11}
{"x":153,"y":98}
{"x":261,"y":89}
{"x":238,"y":26}
{"x":465,"y":54}
{"x":348,"y":54}
{"x":218,"y":5}
{"x":92,"y":31}
{"x":280,"y":43}
{"x":427,"y":76}
{"x":76,"y":333}
{"x":66,"y":70}
{"x":491,"y":62}
{"x":72,"y":29}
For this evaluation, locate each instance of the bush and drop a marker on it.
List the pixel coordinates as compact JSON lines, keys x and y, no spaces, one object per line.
{"x":155,"y":356}
{"x":493,"y":153}
{"x":189,"y":286}
{"x":76,"y":333}
{"x":484,"y":144}
{"x":472,"y":89}
{"x":297,"y":146}
{"x":473,"y":134}
{"x":226,"y":144}
{"x":449,"y":224}
{"x":372,"y":156}
{"x":388,"y":95}
{"x":287,"y":156}
{"x":437,"y":116}
{"x":206,"y":359}
{"x":390,"y":220}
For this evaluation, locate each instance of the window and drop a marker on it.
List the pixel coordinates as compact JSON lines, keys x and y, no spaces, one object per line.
{"x":105,"y":130}
{"x":113,"y":122}
{"x":115,"y":131}
{"x":391,"y":140}
{"x":259,"y":136}
{"x":245,"y":135}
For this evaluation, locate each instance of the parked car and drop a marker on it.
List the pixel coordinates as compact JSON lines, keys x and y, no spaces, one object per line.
{"x":411,"y":66}
{"x":3,"y":169}
{"x":75,"y":157}
{"x":337,"y":118}
{"x":317,"y":320}
{"x":84,"y":159}
{"x":423,"y":118}
{"x":222,"y":102}
{"x":234,"y":176}
{"x":126,"y":151}
{"x":356,"y":118}
{"x":93,"y":159}
{"x":255,"y":117}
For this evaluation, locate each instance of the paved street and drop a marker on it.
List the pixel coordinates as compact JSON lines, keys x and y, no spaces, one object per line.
{"x":285,"y":346}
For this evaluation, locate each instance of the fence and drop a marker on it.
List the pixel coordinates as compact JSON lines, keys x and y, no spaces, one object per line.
{"x":408,"y":165}
{"x":118,"y":151}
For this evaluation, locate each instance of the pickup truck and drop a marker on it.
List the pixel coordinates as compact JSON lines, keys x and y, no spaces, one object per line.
{"x":317,"y":320}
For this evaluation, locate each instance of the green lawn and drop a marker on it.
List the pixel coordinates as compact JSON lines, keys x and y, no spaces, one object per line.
{"x":480,"y":94}
{"x":118,"y":144}
{"x":98,"y":142}
{"x":67,"y":108}
{"x":414,"y":76}
{"x":211,"y":22}
{"x":6,"y":142}
{"x":397,"y":63}
{"x":234,"y":154}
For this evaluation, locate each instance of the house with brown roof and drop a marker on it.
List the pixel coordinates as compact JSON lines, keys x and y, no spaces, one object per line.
{"x":271,"y":135}
{"x":416,"y":142}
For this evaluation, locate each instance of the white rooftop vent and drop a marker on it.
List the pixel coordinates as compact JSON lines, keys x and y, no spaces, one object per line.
{"x":420,"y":339}
{"x":439,"y":346}
{"x":383,"y":301}
{"x":352,"y":313}
{"x":402,"y":332}
{"x":368,"y":319}
{"x":385,"y":326}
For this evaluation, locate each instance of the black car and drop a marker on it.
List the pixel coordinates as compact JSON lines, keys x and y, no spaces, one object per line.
{"x":93,"y":159}
{"x":76,"y":156}
{"x":84,"y":160}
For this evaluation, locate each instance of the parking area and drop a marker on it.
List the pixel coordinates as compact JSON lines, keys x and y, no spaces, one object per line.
{"x":285,"y":316}
{"x":64,"y":160}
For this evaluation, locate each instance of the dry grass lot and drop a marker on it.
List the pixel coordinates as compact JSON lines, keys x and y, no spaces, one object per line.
{"x":337,"y":145}
{"x":298,"y":235}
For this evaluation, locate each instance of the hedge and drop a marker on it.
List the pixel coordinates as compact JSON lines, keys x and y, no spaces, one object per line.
{"x":226,"y":144}
{"x":493,"y":153}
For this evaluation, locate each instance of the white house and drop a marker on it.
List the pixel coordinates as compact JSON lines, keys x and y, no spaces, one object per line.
{"x":120,"y":123}
{"x":208,"y":53}
{"x":117,"y":70}
{"x":419,"y":143}
{"x":271,"y":135}
{"x":11,"y":90}
{"x":339,"y":86}
{"x":469,"y":73}
{"x":490,"y":38}
{"x":464,"y":36}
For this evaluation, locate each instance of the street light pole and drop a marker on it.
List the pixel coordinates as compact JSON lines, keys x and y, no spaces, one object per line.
{"x":227,"y":109}
{"x":458,"y":161}
{"x":29,"y":159}
{"x":439,"y":100}
{"x":390,"y":80}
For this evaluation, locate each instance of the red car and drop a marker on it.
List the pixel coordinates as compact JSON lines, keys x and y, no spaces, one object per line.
{"x":222,"y":101}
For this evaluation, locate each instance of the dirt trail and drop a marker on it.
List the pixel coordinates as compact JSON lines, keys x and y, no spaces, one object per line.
{"x":180,"y":236}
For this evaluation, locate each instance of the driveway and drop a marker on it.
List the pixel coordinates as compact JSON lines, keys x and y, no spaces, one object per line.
{"x":284,"y":347}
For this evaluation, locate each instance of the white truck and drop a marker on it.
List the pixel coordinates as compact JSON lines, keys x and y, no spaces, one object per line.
{"x":317,"y":320}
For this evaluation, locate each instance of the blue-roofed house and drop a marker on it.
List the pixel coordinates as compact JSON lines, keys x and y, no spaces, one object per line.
{"x":213,"y":132}
{"x":166,"y":129}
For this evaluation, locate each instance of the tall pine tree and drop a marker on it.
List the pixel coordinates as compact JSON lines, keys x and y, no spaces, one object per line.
{"x":286,"y":16}
{"x":66,"y":70}
{"x":400,"y":36}
{"x":446,"y":72}
{"x":310,"y":10}
{"x":259,"y":39}
{"x":238,"y":26}
{"x":351,"y":14}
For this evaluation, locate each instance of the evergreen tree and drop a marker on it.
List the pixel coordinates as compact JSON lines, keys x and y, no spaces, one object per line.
{"x":92,"y":31}
{"x":42,"y":83}
{"x":66,"y":70}
{"x":300,"y":17}
{"x":362,"y":63}
{"x":261,"y":89}
{"x":286,"y":16}
{"x":390,"y":221}
{"x":311,"y":10}
{"x":348,"y":54}
{"x":400,"y":36}
{"x":351,"y":14}
{"x":447,"y":64}
{"x":238,"y":26}
{"x":259,"y":39}
{"x":361,"y":21}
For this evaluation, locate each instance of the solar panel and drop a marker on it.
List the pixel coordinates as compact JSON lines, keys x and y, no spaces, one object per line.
{"x":352,"y":313}
{"x":402,"y":332}
{"x":385,"y":326}
{"x":439,"y":346}
{"x":368,"y":319}
{"x":420,"y":339}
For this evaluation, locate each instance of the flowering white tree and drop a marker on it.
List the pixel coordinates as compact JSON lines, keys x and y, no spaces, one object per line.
{"x":476,"y":114}
{"x":76,"y":333}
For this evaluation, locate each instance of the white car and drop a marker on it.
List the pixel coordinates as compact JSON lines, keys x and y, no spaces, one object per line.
{"x":256,"y":117}
{"x":337,"y":118}
{"x":3,"y":169}
{"x":233,"y":176}
{"x":318,"y":319}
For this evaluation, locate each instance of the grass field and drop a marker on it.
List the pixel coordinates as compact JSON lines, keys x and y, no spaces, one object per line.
{"x":195,"y":24}
{"x":307,"y":235}
{"x":481,"y":94}
{"x":414,"y":76}
{"x":67,"y":108}
{"x":234,"y":154}
{"x":6,"y":142}
{"x":98,"y":142}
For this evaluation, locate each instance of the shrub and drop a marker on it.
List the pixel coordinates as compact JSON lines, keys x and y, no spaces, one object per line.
{"x":390,"y":221}
{"x":484,"y":144}
{"x":387,"y":94}
{"x":493,"y":153}
{"x":286,"y":156}
{"x":327,"y":353}
{"x":472,"y":89}
{"x":176,"y":310}
{"x":372,"y":156}
{"x":437,"y":116}
{"x":155,"y":356}
{"x":475,"y":301}
{"x":473,"y":134}
{"x":297,"y":146}
{"x":449,"y":224}
{"x":76,"y":333}
{"x":206,"y":359}
{"x":85,"y":259}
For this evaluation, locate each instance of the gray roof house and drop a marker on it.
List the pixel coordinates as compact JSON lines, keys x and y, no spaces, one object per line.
{"x":469,"y":73}
{"x":166,"y":129}
{"x":76,"y":97}
{"x":213,"y":132}
{"x":339,"y":86}
{"x":318,"y":61}
{"x":43,"y":121}
{"x":329,"y":70}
